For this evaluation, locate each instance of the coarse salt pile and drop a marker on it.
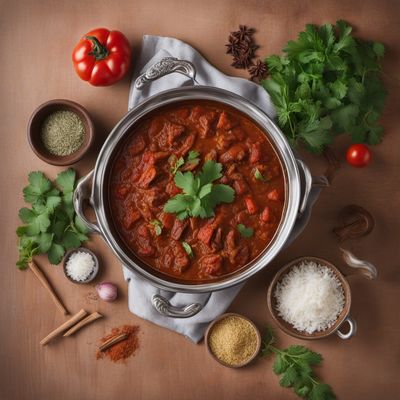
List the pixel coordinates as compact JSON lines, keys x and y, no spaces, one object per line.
{"x":310,"y":297}
{"x":80,"y":266}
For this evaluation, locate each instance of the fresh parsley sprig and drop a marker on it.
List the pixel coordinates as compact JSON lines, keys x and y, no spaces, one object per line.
{"x":327,"y":82}
{"x":191,"y":159}
{"x":294,"y":364}
{"x":50,"y":225}
{"x":245,"y":231}
{"x":200,"y":195}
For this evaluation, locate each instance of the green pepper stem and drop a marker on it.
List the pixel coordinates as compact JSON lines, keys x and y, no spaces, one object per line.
{"x":98,"y":51}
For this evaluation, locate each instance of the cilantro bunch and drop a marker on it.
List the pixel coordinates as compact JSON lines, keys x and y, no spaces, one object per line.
{"x":326,"y":83}
{"x":200,"y":195}
{"x":51,"y":225}
{"x":294,"y":364}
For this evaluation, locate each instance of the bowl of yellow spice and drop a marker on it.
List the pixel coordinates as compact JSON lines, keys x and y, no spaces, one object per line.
{"x":60,"y":132}
{"x":233,"y":340}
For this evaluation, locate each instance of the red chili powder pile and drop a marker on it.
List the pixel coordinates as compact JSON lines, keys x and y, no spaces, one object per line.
{"x":124,"y":349}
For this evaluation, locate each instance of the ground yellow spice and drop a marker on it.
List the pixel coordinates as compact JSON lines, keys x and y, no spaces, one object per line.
{"x":233,"y":340}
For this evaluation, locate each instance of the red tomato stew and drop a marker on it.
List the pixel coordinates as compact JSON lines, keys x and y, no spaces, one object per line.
{"x":221,"y":178}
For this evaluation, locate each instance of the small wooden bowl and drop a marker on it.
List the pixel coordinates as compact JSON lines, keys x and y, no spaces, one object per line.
{"x":35,"y":128}
{"x":342,"y":318}
{"x":210,"y":328}
{"x":83,"y":250}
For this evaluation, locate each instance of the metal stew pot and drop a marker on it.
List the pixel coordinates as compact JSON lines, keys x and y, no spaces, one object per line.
{"x":94,"y":187}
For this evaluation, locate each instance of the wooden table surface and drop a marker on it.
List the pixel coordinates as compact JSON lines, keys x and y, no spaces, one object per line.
{"x":37,"y":40}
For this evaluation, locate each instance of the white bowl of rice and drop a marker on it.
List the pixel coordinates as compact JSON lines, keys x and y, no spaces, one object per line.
{"x":309,"y":298}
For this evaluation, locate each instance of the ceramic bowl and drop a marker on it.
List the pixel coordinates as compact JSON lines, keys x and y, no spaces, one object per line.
{"x":342,"y":318}
{"x":220,"y":318}
{"x":35,"y":127}
{"x":85,"y":250}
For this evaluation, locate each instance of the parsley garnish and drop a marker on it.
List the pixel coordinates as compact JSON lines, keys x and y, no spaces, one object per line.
{"x":200,"y":196}
{"x":176,"y":163}
{"x":258,"y":175}
{"x":294,"y":364}
{"x":193,"y":157}
{"x":51,"y":225}
{"x":326,"y":83}
{"x":188,"y":249}
{"x":244,"y":231}
{"x":157,"y":226}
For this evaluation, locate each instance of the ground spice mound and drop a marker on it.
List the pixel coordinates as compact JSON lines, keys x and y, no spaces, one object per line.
{"x":122,"y":350}
{"x":233,"y":340}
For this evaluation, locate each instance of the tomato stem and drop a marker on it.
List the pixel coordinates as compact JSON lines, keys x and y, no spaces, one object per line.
{"x":98,"y":51}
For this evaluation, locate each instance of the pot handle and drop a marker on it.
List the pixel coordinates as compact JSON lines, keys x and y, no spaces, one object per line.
{"x":82,"y":193}
{"x":166,"y":66}
{"x":165,"y":308}
{"x":352,"y":328}
{"x":309,"y":182}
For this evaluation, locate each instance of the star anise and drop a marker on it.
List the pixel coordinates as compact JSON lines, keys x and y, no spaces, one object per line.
{"x":244,"y":33}
{"x":258,"y":71}
{"x":242,"y":47}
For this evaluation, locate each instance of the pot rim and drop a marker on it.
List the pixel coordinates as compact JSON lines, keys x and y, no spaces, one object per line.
{"x":281,"y":146}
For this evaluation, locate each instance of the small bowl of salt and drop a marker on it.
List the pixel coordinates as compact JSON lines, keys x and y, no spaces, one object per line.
{"x":81,"y":265}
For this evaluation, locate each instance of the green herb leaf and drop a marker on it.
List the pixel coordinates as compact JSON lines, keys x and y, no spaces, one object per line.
{"x":200,"y":195}
{"x":258,"y":175}
{"x":210,"y":172}
{"x":70,"y":240}
{"x":193,"y":157}
{"x":66,"y":180}
{"x":157,"y":226}
{"x":185,"y":182}
{"x":188,"y":249}
{"x":38,"y":186}
{"x":80,"y":225}
{"x":39,"y":223}
{"x":26,"y":215}
{"x":294,"y":366}
{"x":176,"y":163}
{"x":55,"y":253}
{"x":244,"y":231}
{"x":325,"y":84}
{"x":51,"y":223}
{"x":45,"y":241}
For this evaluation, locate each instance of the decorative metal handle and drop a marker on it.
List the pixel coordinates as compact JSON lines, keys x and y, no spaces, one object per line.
{"x":363,"y":267}
{"x":309,"y":182}
{"x":352,"y":328}
{"x":81,"y":194}
{"x":166,"y":66}
{"x":164,"y":307}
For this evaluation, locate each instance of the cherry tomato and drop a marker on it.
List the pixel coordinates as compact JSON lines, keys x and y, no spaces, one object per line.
{"x":358,"y":155}
{"x":102,"y":57}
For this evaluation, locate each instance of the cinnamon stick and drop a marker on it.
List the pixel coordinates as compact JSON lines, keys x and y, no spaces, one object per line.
{"x":67,"y":324}
{"x":90,"y":318}
{"x":46,"y":284}
{"x":112,"y":341}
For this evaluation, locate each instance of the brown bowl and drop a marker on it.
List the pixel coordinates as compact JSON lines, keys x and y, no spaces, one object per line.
{"x":341,"y":319}
{"x":221,"y":317}
{"x":35,"y":126}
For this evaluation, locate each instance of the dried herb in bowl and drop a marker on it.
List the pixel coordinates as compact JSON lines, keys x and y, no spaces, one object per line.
{"x":62,"y":133}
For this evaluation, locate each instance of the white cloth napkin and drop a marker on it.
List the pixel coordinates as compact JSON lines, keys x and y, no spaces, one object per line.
{"x":154,"y":48}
